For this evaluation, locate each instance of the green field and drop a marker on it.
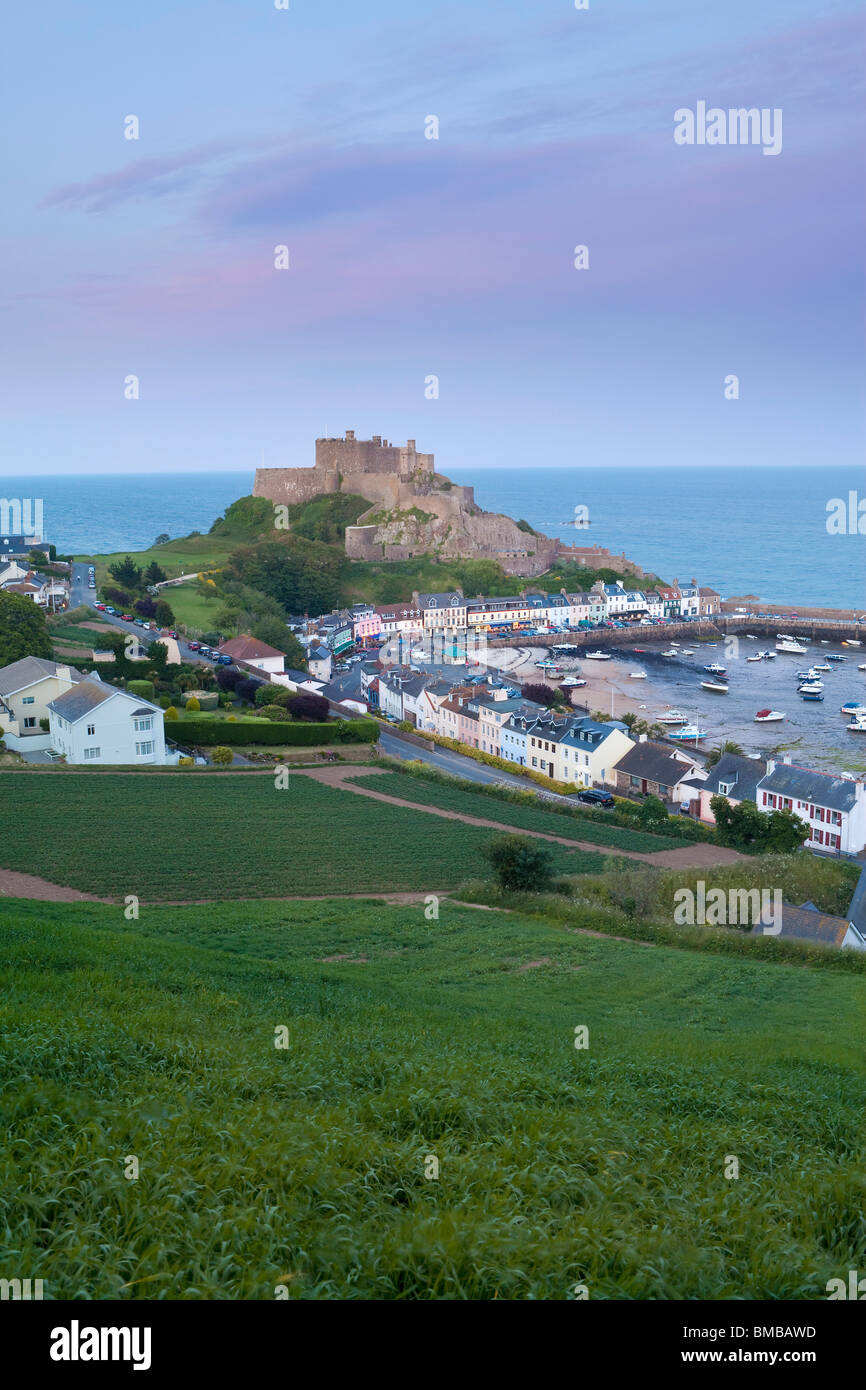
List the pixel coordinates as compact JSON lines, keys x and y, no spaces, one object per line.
{"x":305,"y":1167}
{"x":170,"y":838}
{"x":190,"y":608}
{"x":468,"y":803}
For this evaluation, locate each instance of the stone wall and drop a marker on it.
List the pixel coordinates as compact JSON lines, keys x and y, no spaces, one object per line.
{"x":376,"y":455}
{"x":294,"y":485}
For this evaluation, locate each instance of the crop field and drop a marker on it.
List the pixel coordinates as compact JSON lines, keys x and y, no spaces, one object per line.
{"x":430,"y":1131}
{"x":519,"y":817}
{"x":165,"y":838}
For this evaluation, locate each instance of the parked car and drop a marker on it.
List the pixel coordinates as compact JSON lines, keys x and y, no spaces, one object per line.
{"x":101,"y":607}
{"x":111,"y":610}
{"x":127,"y":618}
{"x":224,"y":659}
{"x":175,"y":635}
{"x":194,"y":646}
{"x":593,"y":797}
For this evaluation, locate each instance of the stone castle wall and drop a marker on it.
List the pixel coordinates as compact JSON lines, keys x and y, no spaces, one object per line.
{"x":418,"y":511}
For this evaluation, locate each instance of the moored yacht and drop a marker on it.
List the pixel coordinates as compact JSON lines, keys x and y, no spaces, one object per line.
{"x":787,"y":644}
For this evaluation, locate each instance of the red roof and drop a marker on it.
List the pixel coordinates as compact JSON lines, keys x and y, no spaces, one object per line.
{"x":246,"y":648}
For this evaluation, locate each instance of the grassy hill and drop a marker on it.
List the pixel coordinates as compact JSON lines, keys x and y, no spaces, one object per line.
{"x":409,"y":1038}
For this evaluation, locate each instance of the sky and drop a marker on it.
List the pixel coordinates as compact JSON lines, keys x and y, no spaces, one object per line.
{"x":413,"y":258}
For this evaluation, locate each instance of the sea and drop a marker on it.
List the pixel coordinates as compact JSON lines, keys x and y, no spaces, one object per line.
{"x":740,"y":530}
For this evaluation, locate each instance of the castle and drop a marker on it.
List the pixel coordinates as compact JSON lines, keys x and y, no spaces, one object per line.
{"x":416,"y":511}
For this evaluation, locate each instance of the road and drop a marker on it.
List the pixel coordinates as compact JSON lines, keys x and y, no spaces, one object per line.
{"x":80,"y":594}
{"x":461,"y":766}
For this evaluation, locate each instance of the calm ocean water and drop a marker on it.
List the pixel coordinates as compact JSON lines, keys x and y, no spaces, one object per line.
{"x":740,"y":530}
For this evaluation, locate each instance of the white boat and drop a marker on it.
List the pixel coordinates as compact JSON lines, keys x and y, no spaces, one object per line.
{"x":810,"y":675}
{"x":571,"y":682}
{"x":822,"y":666}
{"x":670,"y":653}
{"x":717,"y":687}
{"x":850,"y":642}
{"x":672,"y":716}
{"x":862,"y":666}
{"x":853,"y":707}
{"x":810,"y":688}
{"x":687,"y":651}
{"x":597,"y":656}
{"x":789,"y":645}
{"x":637,"y":675}
{"x":689,"y":731}
{"x":754,"y":658}
{"x":769,"y":716}
{"x":857,"y":725}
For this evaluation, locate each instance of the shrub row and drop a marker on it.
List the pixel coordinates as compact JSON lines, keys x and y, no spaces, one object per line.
{"x":207,"y":733}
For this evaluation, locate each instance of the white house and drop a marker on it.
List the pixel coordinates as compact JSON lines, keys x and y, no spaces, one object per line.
{"x":27,"y":688}
{"x":254,"y":653}
{"x":587,"y":755}
{"x":319,"y":662}
{"x":833,"y":807}
{"x":97,"y":723}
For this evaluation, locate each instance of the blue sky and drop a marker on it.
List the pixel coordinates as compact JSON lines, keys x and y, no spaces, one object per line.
{"x":413,"y":257}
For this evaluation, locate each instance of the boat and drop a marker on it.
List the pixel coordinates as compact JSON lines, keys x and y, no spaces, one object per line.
{"x":714,"y":669}
{"x":597,"y":656}
{"x":670,"y":653}
{"x":853,"y":707}
{"x":639,"y":650}
{"x":833,"y":656}
{"x":810,"y":688}
{"x":850,"y":642}
{"x":810,"y":675}
{"x":822,"y":666}
{"x":862,"y":666}
{"x":769,"y":656}
{"x":813,"y":698}
{"x":689,"y":731}
{"x":769,"y":716}
{"x":672,"y":716}
{"x":753,"y":658}
{"x":571,"y":681}
{"x":637,"y":675}
{"x":717,"y":687}
{"x":687,"y":651}
{"x":789,"y":645}
{"x":857,"y":725}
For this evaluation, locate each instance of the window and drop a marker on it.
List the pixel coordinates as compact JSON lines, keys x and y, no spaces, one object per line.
{"x":91,"y":753}
{"x":29,"y":700}
{"x":144,"y":748}
{"x":30,"y":723}
{"x":91,"y":729}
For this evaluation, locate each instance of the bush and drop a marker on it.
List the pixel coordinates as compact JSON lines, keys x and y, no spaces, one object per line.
{"x":307,"y":706}
{"x":238,"y":731}
{"x":186,"y":762}
{"x":192,"y":705}
{"x":44,"y":725}
{"x":406,"y":726}
{"x":171,"y":712}
{"x":164,"y":702}
{"x":145,"y":689}
{"x":222,"y":755}
{"x":521,"y":865}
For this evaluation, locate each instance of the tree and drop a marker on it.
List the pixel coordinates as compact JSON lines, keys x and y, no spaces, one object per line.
{"x":163,"y":615}
{"x":126,"y":572}
{"x":192,"y":705}
{"x":246,"y":689}
{"x":314,"y":708}
{"x":23,"y":631}
{"x":520,"y":865}
{"x":171,"y":712}
{"x":37,"y":558}
{"x":727,"y":747}
{"x":303,"y":576}
{"x":144,"y":607}
{"x":222,"y":755}
{"x":163,"y":538}
{"x":745,"y":827}
{"x":157,"y":652}
{"x":154,"y":574}
{"x":228,"y":677}
{"x":542,"y":694}
{"x":652,"y":811}
{"x":119,"y":598}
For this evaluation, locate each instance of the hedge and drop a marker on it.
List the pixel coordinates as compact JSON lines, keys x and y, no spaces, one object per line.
{"x":209,"y":733}
{"x":143,"y":688}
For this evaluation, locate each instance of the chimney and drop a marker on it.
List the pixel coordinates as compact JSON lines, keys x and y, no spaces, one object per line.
{"x":350,"y":434}
{"x":642,"y":738}
{"x":771,"y":766}
{"x":787,"y":759}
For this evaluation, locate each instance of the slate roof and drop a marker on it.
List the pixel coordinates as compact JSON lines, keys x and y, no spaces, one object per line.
{"x":857,"y":909}
{"x":654,"y":763}
{"x":453,"y":600}
{"x":83,"y":698}
{"x":807,"y":924}
{"x":804,"y":784}
{"x":745,"y":773}
{"x":29,"y":670}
